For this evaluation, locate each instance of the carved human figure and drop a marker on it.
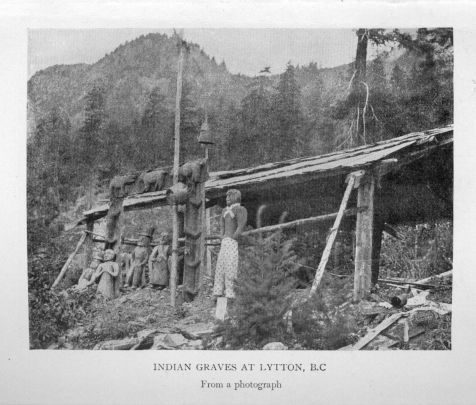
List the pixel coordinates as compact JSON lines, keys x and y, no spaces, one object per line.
{"x":124,"y":260}
{"x":87,"y":273}
{"x":140,"y":255}
{"x":108,"y":275}
{"x":233,"y":222}
{"x":159,"y":263}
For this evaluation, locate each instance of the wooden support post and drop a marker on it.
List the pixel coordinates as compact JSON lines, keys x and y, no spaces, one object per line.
{"x":209,"y":253}
{"x":376,"y":247}
{"x":68,"y":262}
{"x":364,"y":238}
{"x":88,"y":243}
{"x":114,"y":223}
{"x":175,"y":230}
{"x":351,"y":180}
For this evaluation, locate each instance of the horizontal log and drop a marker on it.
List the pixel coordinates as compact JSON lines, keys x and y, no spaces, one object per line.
{"x":300,"y":222}
{"x":441,"y":275}
{"x":404,"y":283}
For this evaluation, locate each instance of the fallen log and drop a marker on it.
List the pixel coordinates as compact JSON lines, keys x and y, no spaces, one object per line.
{"x":399,"y":283}
{"x":441,"y":275}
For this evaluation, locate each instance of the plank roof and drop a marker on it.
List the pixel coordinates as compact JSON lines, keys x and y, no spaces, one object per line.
{"x":406,"y":148}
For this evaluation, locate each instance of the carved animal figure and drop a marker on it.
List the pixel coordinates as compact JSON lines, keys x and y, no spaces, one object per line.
{"x":152,"y":181}
{"x":194,"y":172}
{"x":117,"y":187}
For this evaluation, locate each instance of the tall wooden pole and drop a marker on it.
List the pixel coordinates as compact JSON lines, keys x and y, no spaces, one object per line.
{"x":173,"y":272}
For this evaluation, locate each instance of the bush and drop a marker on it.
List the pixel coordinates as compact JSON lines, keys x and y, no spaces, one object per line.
{"x":51,"y":313}
{"x":318,"y":327}
{"x":262,"y":290}
{"x":421,"y":250}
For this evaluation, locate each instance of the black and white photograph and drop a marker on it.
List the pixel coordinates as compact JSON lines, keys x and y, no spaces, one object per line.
{"x":240,"y":189}
{"x":234,"y":202}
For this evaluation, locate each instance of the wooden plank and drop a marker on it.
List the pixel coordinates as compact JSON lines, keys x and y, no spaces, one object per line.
{"x":373,"y":333}
{"x":333,"y":233}
{"x":70,"y":258}
{"x":364,"y":239}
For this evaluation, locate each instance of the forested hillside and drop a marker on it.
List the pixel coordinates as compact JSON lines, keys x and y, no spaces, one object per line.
{"x":89,"y":122}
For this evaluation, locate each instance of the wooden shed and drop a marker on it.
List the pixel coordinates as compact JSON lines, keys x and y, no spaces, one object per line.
{"x":404,"y":179}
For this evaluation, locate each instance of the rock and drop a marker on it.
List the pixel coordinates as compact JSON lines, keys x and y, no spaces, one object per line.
{"x":175,"y":340}
{"x":193,"y":345}
{"x":123,"y":299}
{"x":196,"y":330}
{"x":159,"y":343}
{"x":275,"y":346}
{"x":123,"y":344}
{"x":370,"y":309}
{"x":374,"y":297}
{"x":76,"y":333}
{"x":142,"y":334}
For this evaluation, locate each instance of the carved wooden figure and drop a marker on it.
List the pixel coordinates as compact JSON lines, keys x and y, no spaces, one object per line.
{"x":140,"y":256}
{"x":108,"y":275}
{"x":84,"y":280}
{"x":159,"y":262}
{"x":125,"y":262}
{"x":152,"y":181}
{"x":117,"y":187}
{"x":194,"y":174}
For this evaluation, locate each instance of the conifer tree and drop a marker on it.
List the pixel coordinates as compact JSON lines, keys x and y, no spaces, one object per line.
{"x":262,"y":290}
{"x":288,"y":116}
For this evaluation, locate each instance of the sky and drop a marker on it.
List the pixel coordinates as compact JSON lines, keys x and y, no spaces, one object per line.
{"x":244,"y":51}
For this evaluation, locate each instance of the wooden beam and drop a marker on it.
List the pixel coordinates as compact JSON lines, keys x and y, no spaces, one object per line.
{"x":300,"y":222}
{"x":70,"y":258}
{"x":352,"y":179}
{"x":364,"y":239}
